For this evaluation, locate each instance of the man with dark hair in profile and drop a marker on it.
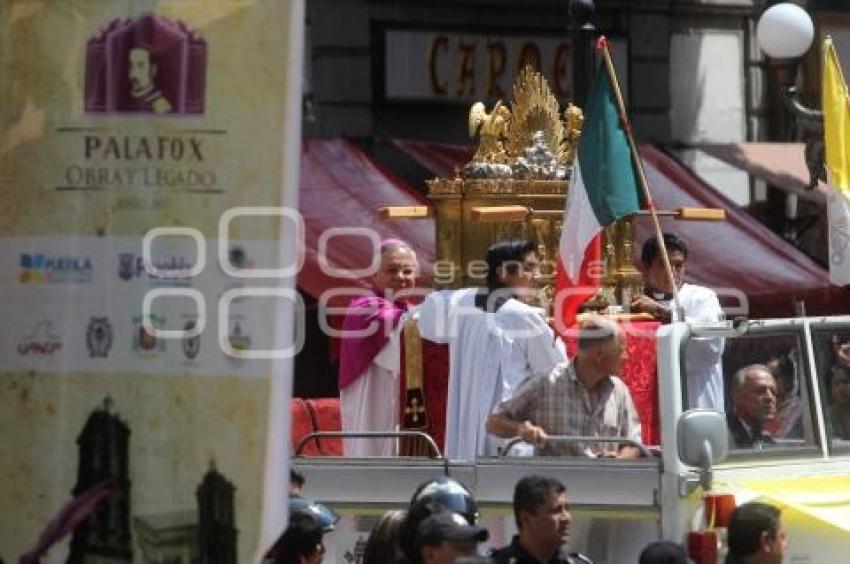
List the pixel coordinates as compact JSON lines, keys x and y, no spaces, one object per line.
{"x":699,"y":304}
{"x":756,"y":535}
{"x":583,"y":397}
{"x":495,"y":340}
{"x":543,"y":521}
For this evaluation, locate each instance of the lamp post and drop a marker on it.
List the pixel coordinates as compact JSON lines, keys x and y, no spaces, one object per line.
{"x":785,"y":32}
{"x":583,"y":33}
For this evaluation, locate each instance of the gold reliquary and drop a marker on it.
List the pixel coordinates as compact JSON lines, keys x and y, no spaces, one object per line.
{"x":514,"y":187}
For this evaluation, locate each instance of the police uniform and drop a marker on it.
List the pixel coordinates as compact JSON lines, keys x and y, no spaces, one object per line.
{"x":514,"y":553}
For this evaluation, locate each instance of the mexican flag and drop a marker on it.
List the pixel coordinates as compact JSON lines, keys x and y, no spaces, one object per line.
{"x":836,"y":129}
{"x":602,"y":189}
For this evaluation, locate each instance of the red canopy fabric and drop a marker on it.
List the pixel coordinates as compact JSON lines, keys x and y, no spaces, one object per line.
{"x":739,"y":253}
{"x":341,"y":187}
{"x":442,"y":159}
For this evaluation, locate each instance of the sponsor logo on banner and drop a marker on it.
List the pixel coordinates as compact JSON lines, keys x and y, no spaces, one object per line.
{"x":144,"y":343}
{"x":239,"y":259}
{"x":147,"y":64}
{"x":38,"y":268}
{"x":238,"y":336}
{"x":191,"y":345}
{"x":132,"y":266}
{"x":99,"y":337}
{"x":40,"y":341}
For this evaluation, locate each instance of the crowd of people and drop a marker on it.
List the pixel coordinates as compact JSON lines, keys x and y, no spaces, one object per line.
{"x":441,"y":526}
{"x":509,"y":374}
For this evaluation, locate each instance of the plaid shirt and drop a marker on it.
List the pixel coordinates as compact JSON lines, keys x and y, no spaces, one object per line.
{"x":560,"y":404}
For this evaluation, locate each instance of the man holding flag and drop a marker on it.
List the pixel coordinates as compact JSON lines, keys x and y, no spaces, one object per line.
{"x":836,"y":128}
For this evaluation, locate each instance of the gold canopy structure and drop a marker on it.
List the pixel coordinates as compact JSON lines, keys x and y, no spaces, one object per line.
{"x":523,"y":161}
{"x":515,"y":187}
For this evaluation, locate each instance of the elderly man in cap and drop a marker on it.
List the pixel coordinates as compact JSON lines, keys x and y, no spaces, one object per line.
{"x":445,"y":536}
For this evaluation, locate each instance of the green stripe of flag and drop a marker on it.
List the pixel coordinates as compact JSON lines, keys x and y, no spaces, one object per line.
{"x":604,"y":155}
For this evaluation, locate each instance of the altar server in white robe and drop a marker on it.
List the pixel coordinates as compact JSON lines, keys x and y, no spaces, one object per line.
{"x":703,"y":355}
{"x":495,"y":342}
{"x":370,"y":352}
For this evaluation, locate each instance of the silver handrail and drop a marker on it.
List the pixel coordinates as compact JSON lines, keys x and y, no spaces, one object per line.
{"x":315,"y":435}
{"x":644,"y":451}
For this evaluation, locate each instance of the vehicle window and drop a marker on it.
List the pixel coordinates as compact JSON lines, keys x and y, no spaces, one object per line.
{"x":759,"y":381}
{"x":831,"y":344}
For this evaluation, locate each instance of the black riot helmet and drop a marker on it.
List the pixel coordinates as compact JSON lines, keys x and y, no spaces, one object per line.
{"x":441,"y":494}
{"x":324,"y":515}
{"x":448,"y":494}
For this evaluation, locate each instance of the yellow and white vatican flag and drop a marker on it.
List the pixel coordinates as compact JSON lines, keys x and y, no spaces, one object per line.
{"x":836,"y":118}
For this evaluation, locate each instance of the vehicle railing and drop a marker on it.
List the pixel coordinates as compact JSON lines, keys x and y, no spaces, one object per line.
{"x":316,"y":435}
{"x":644,"y":451}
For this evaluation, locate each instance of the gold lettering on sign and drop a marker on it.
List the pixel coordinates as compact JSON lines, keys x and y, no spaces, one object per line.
{"x":466,"y":69}
{"x":439,"y":43}
{"x":498,"y":58}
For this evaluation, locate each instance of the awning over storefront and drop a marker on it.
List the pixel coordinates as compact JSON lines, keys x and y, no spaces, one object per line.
{"x":779,"y":164}
{"x":342,"y":188}
{"x":442,"y":159}
{"x":739,"y":254}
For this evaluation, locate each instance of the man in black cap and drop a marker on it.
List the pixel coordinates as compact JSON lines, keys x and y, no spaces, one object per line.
{"x":663,"y":552}
{"x":543,"y":520}
{"x":301,"y":542}
{"x":445,"y":536}
{"x":434,"y":496}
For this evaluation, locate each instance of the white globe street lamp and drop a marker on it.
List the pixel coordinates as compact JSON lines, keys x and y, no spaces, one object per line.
{"x":785,"y":31}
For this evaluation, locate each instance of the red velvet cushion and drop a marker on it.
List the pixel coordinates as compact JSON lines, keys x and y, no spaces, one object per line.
{"x":326,"y":411}
{"x":316,"y":415}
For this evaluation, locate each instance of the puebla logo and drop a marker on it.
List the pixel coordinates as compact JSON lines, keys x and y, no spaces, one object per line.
{"x":42,"y":268}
